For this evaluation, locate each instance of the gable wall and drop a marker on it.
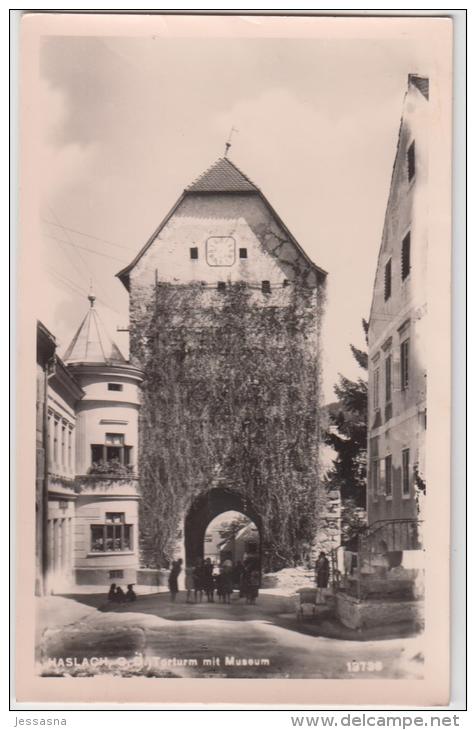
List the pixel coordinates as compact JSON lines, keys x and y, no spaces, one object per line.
{"x":400,"y":423}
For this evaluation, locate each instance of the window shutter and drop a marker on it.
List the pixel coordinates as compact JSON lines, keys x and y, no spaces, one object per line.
{"x":382,"y":477}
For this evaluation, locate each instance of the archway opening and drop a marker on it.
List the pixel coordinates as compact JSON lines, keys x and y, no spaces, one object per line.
{"x":231,"y":536}
{"x":229,"y":507}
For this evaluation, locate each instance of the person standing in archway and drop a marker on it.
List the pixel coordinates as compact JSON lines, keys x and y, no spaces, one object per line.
{"x":173,"y":578}
{"x":209,"y":586}
{"x":198,"y":580}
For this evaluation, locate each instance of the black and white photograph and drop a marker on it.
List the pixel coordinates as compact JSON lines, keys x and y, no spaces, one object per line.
{"x":234,"y":265}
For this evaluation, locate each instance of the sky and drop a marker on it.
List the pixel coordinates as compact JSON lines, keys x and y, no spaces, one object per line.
{"x":127,"y":123}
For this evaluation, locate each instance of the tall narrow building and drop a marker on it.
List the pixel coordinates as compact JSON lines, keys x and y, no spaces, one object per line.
{"x":106,"y":513}
{"x":87,"y":430}
{"x":397,"y":332}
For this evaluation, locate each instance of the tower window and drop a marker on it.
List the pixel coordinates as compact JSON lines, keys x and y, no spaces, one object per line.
{"x":114,"y":386}
{"x":113,"y":449}
{"x":411,"y":162}
{"x":194,"y":252}
{"x":266,"y":287}
{"x":243,"y":253}
{"x":112,"y":536}
{"x":406,"y":243}
{"x":388,"y":280}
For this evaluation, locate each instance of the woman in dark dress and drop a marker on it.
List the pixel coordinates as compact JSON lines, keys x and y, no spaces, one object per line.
{"x":209,"y":586}
{"x":322,"y":575}
{"x":227,"y":583}
{"x":198,"y":580}
{"x":173,"y":578}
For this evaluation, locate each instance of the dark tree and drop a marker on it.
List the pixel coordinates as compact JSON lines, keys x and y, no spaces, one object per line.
{"x":347,"y":435}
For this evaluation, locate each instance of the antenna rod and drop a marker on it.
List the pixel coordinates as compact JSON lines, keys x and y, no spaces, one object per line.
{"x":228,"y":142}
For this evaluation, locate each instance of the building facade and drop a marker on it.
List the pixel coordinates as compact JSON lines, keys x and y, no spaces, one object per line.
{"x":87,"y":431}
{"x":397,"y":332}
{"x":225,"y":316}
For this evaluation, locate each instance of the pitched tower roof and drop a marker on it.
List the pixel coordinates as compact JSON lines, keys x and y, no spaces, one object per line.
{"x":222,"y":177}
{"x":92,"y":343}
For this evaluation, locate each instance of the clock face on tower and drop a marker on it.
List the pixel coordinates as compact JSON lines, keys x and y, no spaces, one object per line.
{"x":221,"y":251}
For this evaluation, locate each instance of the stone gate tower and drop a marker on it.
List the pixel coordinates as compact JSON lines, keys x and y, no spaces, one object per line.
{"x":225,"y":315}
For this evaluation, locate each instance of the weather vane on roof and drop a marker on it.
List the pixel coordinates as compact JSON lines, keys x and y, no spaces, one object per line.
{"x":91,"y":295}
{"x":228,"y":143}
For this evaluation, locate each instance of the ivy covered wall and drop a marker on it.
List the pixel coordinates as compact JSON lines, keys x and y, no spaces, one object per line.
{"x":231,"y":392}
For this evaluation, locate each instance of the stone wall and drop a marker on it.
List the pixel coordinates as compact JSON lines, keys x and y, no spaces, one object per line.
{"x":357,"y":614}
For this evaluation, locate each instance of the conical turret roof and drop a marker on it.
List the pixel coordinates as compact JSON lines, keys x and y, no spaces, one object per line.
{"x":92,"y":343}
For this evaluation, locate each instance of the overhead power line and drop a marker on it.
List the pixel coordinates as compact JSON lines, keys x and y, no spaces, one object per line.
{"x":87,"y":235}
{"x":78,"y":289}
{"x":84,"y":248}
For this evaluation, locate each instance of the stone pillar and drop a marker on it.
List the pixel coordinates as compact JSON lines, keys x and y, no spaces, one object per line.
{"x":328,"y":534}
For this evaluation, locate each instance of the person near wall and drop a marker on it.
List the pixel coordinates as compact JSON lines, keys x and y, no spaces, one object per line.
{"x":322,"y":571}
{"x":173,"y":578}
{"x":131,"y":594}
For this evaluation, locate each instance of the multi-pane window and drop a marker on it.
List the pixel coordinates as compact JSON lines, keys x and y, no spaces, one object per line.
{"x":113,"y":536}
{"x":266,"y":287}
{"x":404,"y":364}
{"x":411,"y":161}
{"x":376,"y":389}
{"x":388,"y":280}
{"x":388,"y":378}
{"x":406,"y":472}
{"x":113,"y":449}
{"x":388,"y":476}
{"x":243,"y":253}
{"x":406,"y":245}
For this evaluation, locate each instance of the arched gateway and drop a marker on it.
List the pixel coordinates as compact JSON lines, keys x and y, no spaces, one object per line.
{"x":204,"y":509}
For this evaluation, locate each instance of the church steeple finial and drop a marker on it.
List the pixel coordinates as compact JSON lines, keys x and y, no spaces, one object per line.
{"x":228,"y":142}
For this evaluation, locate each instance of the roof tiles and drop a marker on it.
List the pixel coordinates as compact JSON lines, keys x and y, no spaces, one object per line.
{"x":222,"y":177}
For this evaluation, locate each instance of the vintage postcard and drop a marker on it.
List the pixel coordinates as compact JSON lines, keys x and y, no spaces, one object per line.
{"x":234,"y":271}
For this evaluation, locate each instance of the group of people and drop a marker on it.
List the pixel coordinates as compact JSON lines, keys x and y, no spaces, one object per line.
{"x":202,"y":580}
{"x":117,"y":595}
